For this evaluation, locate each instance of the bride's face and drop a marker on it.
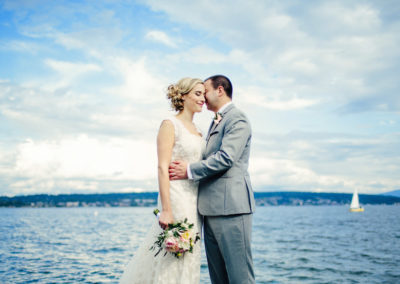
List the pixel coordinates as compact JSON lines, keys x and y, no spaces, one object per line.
{"x":194,"y":101}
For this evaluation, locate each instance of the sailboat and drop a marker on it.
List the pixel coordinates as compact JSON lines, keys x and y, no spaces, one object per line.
{"x":355,"y":204}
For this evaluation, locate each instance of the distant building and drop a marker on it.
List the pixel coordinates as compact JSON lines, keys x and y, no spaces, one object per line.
{"x":72,"y":204}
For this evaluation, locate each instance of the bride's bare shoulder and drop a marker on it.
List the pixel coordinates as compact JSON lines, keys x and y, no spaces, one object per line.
{"x":167,"y":126}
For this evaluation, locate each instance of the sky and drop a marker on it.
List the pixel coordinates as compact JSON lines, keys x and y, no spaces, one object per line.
{"x":82,"y":90}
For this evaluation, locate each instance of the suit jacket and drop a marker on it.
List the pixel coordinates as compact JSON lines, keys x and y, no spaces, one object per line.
{"x":224,"y":181}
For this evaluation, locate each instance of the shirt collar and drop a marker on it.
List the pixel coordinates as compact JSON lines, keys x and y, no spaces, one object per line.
{"x":224,"y":107}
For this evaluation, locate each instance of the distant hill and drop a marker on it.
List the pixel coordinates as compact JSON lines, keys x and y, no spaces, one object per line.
{"x":150,"y":199}
{"x":316,"y":198}
{"x":81,"y":200}
{"x":392,"y":193}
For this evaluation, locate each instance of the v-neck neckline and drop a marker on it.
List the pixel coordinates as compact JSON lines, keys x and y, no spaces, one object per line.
{"x":183,"y":125}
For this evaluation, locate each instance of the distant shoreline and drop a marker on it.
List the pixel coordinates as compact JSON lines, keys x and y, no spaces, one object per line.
{"x":146,"y":199}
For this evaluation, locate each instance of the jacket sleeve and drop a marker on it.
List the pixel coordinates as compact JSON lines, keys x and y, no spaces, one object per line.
{"x":236,"y":135}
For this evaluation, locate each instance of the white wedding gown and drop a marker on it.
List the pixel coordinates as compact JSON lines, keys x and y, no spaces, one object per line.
{"x":144,"y":266}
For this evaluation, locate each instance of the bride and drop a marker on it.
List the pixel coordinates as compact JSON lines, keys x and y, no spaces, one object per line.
{"x":178,"y":139}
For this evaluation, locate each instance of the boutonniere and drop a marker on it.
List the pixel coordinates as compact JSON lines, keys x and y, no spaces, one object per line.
{"x":217,"y":118}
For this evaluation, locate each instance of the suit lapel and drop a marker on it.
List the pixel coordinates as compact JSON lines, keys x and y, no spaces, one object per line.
{"x":209,"y":130}
{"x":214,"y":126}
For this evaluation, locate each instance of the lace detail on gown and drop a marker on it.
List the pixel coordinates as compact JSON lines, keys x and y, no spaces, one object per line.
{"x":144,"y":267}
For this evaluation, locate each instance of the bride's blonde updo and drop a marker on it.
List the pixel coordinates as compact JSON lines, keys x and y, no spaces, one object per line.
{"x":175,"y":92}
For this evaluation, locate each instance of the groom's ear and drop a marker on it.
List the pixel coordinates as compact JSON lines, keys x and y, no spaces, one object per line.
{"x":220,"y":90}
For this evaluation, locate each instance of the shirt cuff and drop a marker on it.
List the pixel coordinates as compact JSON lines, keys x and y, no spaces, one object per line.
{"x":189,"y":172}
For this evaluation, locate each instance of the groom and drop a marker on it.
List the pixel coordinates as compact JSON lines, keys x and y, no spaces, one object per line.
{"x":225,"y":195}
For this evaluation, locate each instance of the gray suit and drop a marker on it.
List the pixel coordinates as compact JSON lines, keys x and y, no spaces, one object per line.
{"x":226,"y":198}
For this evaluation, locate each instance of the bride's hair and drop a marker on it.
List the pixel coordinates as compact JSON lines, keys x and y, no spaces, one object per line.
{"x":175,"y":92}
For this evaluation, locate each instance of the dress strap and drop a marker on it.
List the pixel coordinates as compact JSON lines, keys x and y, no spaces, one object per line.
{"x":175,"y":122}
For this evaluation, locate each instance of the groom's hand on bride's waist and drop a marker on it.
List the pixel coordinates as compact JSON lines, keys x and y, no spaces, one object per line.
{"x":178,"y":170}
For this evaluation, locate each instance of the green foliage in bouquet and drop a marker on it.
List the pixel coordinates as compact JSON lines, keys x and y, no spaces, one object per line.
{"x":177,"y":239}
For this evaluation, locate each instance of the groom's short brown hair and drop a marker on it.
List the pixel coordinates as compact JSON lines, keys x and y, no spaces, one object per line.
{"x":223,"y":81}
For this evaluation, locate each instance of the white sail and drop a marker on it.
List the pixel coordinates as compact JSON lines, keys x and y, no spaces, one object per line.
{"x":355,"y":204}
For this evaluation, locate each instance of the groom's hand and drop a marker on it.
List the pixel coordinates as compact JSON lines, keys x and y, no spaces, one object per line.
{"x":178,"y":170}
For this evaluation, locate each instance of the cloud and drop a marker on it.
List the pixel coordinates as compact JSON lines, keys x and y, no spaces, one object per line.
{"x":138,"y":83}
{"x":289,"y":175}
{"x":88,"y":157}
{"x":69,"y":71}
{"x":130,"y":94}
{"x":344,"y":50}
{"x":20,"y":46}
{"x":161,"y":37}
{"x":325,"y":162}
{"x":80,"y":94}
{"x":353,"y":18}
{"x":272,"y":99}
{"x":82,"y":163}
{"x":199,"y":55}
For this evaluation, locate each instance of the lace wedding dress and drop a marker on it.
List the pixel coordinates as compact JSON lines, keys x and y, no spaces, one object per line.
{"x":144,"y":266}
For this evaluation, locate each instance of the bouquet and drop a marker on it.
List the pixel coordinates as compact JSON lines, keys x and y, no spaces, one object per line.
{"x":178,"y":238}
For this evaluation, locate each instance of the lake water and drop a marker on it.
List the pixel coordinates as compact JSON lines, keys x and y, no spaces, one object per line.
{"x":321,"y":244}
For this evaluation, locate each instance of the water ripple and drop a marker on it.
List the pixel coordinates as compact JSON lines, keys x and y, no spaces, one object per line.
{"x":290,"y":244}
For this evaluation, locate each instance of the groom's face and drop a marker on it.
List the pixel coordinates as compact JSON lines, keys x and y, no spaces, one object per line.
{"x":211,"y":95}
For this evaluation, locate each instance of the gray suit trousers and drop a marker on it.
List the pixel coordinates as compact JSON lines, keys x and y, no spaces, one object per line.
{"x":227,"y":242}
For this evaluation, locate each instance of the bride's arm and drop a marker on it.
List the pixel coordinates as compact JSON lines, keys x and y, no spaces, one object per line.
{"x":165,"y":143}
